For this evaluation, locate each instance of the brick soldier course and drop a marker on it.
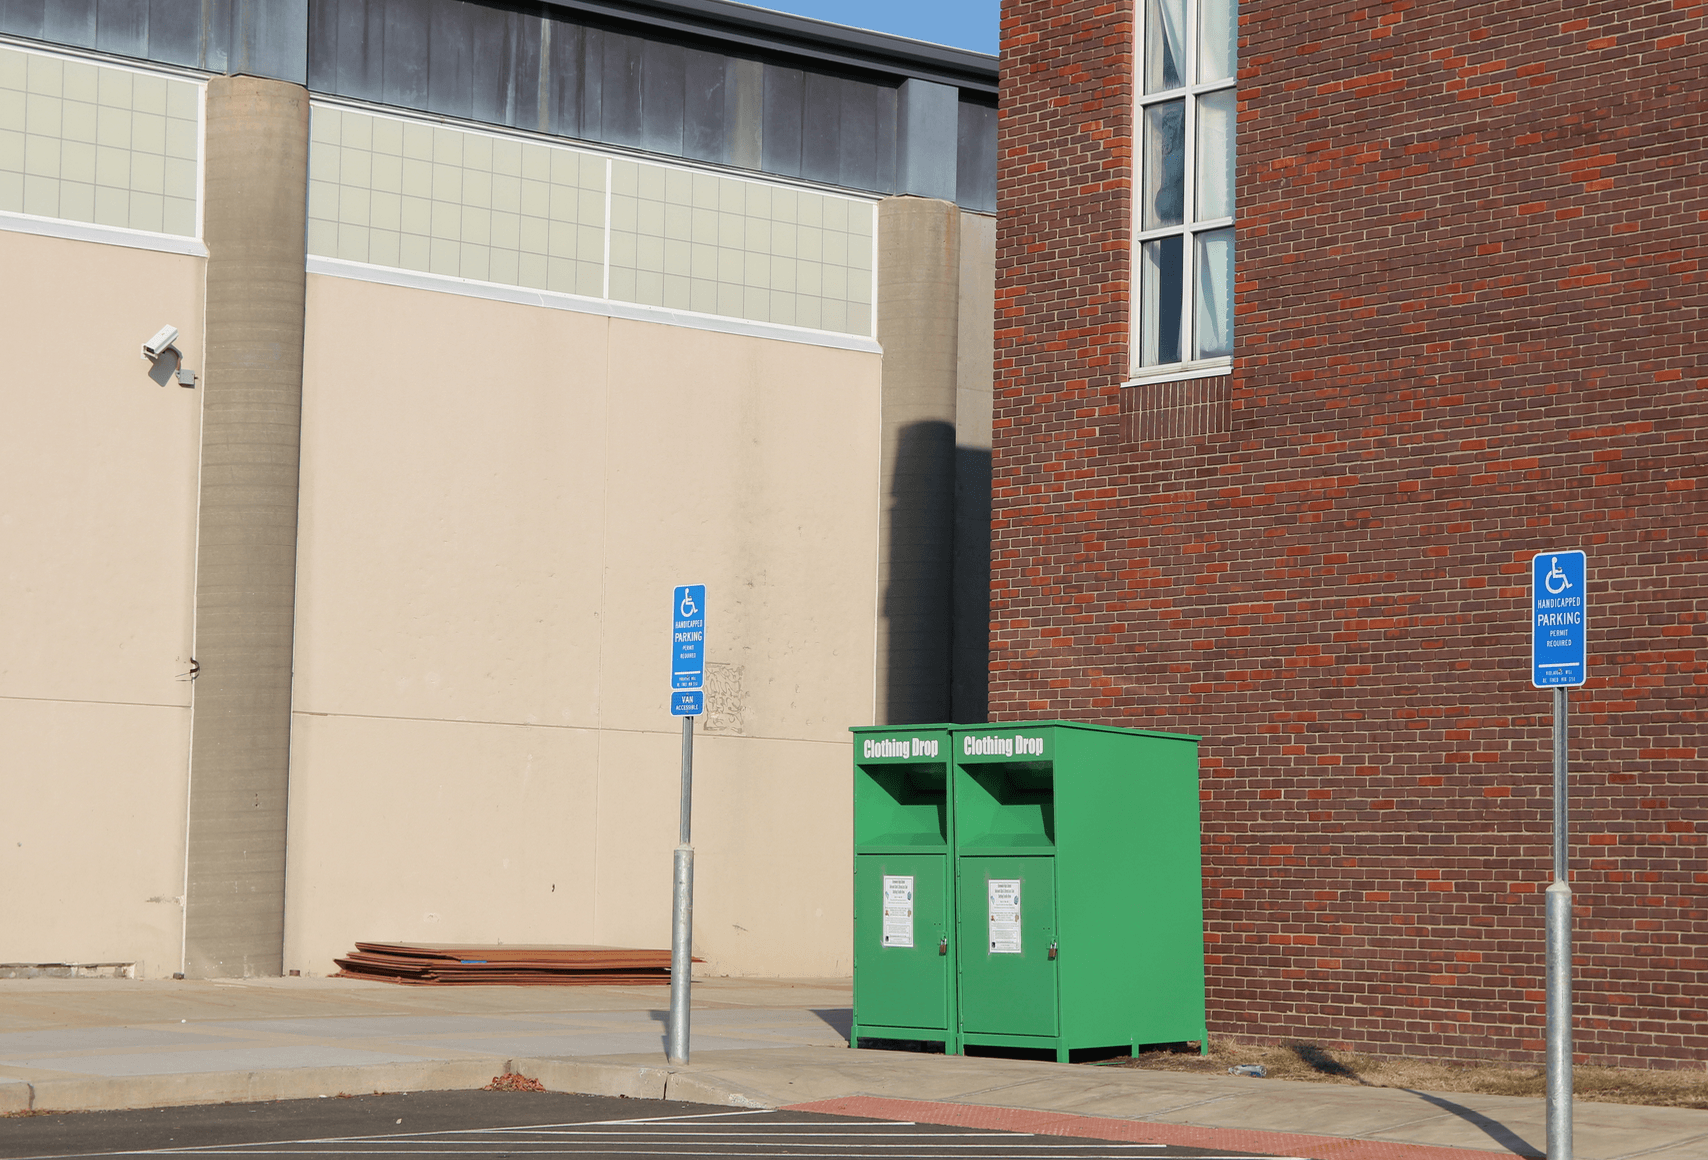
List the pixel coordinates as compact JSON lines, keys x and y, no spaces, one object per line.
{"x":1469,"y":317}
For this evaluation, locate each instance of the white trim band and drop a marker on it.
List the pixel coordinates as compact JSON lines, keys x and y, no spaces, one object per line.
{"x":632,"y":311}
{"x":23,"y":223}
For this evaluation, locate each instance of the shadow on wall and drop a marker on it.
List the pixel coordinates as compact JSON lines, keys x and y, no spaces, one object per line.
{"x":969,"y":660}
{"x":937,"y":579}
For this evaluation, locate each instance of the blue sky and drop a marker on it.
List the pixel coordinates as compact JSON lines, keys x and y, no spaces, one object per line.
{"x":961,"y":23}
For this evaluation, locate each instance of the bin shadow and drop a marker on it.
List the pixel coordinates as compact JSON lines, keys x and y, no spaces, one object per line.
{"x":838,"y":1019}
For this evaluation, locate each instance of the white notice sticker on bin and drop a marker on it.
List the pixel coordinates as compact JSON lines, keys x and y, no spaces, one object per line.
{"x":898,"y":910}
{"x":1004,"y":916}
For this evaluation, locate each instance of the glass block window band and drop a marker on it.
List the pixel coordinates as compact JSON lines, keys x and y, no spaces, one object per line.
{"x":1184,"y":244}
{"x":99,"y":144}
{"x":466,"y":204}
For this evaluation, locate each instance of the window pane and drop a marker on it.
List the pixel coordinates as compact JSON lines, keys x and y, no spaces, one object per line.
{"x":1218,"y":39}
{"x":1213,"y":316}
{"x":1164,"y":195}
{"x":1165,"y":44}
{"x":1215,"y":176}
{"x":1159,"y":278}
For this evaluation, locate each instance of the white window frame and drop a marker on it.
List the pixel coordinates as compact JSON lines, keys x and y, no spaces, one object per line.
{"x":1139,"y":374}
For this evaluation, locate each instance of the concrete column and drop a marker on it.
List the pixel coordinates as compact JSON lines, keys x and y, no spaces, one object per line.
{"x":918,"y":324}
{"x":254,"y":218}
{"x":974,"y":397}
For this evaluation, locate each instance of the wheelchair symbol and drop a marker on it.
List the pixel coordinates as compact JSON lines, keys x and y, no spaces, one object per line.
{"x":1555,"y":581}
{"x":689,"y":608}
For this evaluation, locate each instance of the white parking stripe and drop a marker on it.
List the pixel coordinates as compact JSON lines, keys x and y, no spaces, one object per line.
{"x":712,"y":1134}
{"x":753,"y":1133}
{"x":352,"y":1147}
{"x":670,"y":1119}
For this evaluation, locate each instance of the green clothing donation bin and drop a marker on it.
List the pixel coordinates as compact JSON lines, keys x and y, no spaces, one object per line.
{"x":904,"y":962}
{"x":1074,"y":888}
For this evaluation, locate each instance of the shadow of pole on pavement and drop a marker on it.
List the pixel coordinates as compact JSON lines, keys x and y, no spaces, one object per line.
{"x":1320,"y":1061}
{"x":1493,"y":1128}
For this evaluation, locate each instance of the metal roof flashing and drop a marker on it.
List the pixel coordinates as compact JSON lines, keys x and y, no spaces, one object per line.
{"x":765,"y":31}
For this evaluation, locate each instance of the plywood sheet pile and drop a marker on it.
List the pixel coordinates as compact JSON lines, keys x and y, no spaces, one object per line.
{"x":552,"y":966}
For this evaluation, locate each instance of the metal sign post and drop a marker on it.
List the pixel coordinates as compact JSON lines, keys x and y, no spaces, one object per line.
{"x":1559,"y":613}
{"x":687,"y":700}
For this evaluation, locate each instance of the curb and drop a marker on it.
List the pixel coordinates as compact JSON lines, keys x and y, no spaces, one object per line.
{"x":108,"y":1093}
{"x":14,"y":1097}
{"x":595,"y":1079}
{"x":112,"y":1093}
{"x":643,"y":1083}
{"x":709,"y":1089}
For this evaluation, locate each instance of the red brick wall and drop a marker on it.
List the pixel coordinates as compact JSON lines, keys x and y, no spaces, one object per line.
{"x":1471,"y":327}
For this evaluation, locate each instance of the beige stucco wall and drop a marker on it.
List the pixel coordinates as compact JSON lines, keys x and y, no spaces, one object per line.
{"x":496,"y":502}
{"x":97,"y":519}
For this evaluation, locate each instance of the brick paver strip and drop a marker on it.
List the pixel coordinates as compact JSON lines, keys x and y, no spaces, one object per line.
{"x":1142,"y":1131}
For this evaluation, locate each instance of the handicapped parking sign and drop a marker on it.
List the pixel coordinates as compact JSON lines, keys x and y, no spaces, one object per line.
{"x":1559,"y":619}
{"x":687,"y":648}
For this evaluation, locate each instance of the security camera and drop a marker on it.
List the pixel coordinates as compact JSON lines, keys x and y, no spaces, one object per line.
{"x":160,"y":343}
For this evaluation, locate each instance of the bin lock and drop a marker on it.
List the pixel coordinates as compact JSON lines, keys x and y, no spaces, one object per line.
{"x":1052,"y":950}
{"x":943,"y":945}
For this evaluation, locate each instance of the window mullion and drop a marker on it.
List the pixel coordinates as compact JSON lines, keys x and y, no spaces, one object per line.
{"x":1188,"y":90}
{"x":1159,"y":232}
{"x":1213,"y":86}
{"x":1188,"y":251}
{"x":1140,"y":324}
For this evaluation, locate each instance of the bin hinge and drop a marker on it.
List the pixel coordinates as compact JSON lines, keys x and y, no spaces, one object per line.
{"x":943,"y":945}
{"x":1052,"y":950}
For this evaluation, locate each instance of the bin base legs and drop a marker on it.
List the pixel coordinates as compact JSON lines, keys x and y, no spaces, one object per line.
{"x":950,"y":1041}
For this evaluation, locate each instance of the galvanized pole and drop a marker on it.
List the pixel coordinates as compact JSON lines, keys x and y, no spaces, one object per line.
{"x":682,"y":911}
{"x":1559,"y":959}
{"x":1560,"y":868}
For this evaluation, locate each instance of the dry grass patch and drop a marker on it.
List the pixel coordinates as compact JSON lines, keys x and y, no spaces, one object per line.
{"x":1313,"y":1062}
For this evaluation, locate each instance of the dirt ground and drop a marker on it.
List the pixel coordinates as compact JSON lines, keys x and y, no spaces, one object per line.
{"x":1310,"y":1061}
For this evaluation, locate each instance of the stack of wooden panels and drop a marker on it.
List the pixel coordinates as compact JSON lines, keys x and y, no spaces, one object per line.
{"x":555,"y":966}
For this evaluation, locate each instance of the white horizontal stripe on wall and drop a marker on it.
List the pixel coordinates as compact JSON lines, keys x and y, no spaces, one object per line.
{"x":605,"y":307}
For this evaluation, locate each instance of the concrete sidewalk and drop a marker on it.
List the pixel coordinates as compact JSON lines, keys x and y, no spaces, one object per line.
{"x":68,"y":1045}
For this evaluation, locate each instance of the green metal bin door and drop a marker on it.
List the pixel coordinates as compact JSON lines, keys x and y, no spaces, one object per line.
{"x":1007,"y":920}
{"x":901,"y":975}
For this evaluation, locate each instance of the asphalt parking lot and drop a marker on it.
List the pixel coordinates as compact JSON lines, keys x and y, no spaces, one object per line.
{"x":527,"y":1124}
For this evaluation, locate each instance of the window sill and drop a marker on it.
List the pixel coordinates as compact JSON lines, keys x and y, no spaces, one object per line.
{"x":1181,"y":372}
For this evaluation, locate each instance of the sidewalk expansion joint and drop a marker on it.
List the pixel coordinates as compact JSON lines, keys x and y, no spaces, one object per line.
{"x":1702,"y":1139}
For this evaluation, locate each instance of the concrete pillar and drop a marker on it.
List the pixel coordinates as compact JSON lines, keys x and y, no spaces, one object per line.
{"x":974,"y":397}
{"x":918,"y":326}
{"x":254,"y":225}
